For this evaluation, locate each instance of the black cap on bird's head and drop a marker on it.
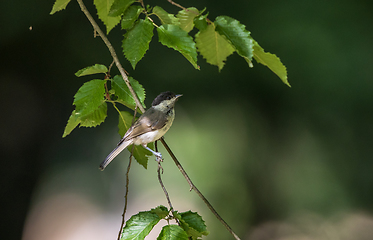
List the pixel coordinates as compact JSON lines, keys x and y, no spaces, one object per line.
{"x":164,"y":96}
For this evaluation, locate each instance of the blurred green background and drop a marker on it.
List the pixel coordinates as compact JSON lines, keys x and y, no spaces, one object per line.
{"x":276,"y":162}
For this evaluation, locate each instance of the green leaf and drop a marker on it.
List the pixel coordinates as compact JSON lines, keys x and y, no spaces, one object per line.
{"x":161,"y":211}
{"x":172,"y":232}
{"x":97,"y":68}
{"x":213,"y":47}
{"x":72,"y":123}
{"x":130,"y":16}
{"x":103,"y":8}
{"x":186,"y":17}
{"x":119,"y":6}
{"x":192,"y":224}
{"x":195,"y":221}
{"x":125,"y":122}
{"x":123,"y":93}
{"x":59,"y":5}
{"x":165,"y":17}
{"x":237,"y":35}
{"x":139,"y":152}
{"x":89,"y":97}
{"x":95,"y":118}
{"x":91,"y":108}
{"x":136,"y":41}
{"x":174,"y":37}
{"x":201,"y":22}
{"x":271,"y":61}
{"x":139,"y":225}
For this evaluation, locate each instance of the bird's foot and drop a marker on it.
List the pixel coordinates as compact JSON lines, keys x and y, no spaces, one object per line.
{"x":158,"y":157}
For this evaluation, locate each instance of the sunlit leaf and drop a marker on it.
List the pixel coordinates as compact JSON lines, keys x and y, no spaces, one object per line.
{"x":72,"y":123}
{"x":174,"y":37}
{"x":186,"y":17}
{"x":136,"y":41}
{"x":271,"y":61}
{"x":103,"y":8}
{"x":165,"y":17}
{"x":213,"y":47}
{"x":59,"y":5}
{"x":97,"y":68}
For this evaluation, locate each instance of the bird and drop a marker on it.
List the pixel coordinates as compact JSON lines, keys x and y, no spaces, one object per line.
{"x":149,"y":127}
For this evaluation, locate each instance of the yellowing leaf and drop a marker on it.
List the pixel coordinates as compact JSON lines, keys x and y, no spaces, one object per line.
{"x":59,"y":5}
{"x":103,"y":8}
{"x":271,"y":61}
{"x":213,"y":47}
{"x":97,"y":68}
{"x":186,"y":17}
{"x":165,"y":17}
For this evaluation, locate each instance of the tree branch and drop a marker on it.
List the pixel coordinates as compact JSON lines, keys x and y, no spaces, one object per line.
{"x":139,"y":105}
{"x":126,"y":194}
{"x":112,"y":52}
{"x":192,"y":186}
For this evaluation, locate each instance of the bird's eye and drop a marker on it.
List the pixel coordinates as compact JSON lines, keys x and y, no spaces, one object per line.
{"x":169,"y":97}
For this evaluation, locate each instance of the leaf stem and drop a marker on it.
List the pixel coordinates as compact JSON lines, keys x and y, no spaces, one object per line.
{"x":193,"y":187}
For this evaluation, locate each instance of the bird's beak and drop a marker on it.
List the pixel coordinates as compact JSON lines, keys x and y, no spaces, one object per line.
{"x":179,"y":95}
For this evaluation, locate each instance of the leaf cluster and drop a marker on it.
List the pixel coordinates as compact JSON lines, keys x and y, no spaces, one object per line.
{"x":91,"y":104}
{"x":214,"y":40}
{"x":191,"y":225}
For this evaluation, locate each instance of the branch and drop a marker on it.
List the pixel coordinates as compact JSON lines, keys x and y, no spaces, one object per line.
{"x":139,"y":105}
{"x":176,"y":4}
{"x":112,"y":52}
{"x":126,"y":194}
{"x":162,"y":185}
{"x":192,"y":186}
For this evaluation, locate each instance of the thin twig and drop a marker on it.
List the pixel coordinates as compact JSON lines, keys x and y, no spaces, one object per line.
{"x":192,"y":186}
{"x":127,"y":177}
{"x":138,"y":103}
{"x":176,"y":4}
{"x":162,"y":185}
{"x":126,"y":194}
{"x":112,"y":52}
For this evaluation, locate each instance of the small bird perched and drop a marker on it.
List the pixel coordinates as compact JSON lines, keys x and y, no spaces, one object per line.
{"x":150,"y":126}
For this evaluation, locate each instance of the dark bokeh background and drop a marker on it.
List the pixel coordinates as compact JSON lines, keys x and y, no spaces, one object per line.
{"x":276,"y":162}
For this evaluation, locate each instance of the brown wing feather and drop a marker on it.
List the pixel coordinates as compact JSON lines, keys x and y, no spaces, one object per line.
{"x":144,"y":125}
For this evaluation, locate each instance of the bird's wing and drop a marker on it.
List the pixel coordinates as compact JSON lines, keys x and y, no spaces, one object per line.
{"x":144,"y":124}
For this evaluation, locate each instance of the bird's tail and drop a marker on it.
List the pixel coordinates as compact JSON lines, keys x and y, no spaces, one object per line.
{"x":114,"y":153}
